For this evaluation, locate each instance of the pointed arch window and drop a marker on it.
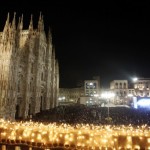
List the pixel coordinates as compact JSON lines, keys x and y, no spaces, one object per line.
{"x":124,"y":86}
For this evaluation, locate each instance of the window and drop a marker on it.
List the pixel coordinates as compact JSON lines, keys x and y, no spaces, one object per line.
{"x":120,"y":85}
{"x":124,"y":86}
{"x":116,"y":85}
{"x":121,"y":94}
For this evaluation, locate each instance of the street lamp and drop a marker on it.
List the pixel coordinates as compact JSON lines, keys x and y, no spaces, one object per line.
{"x":107,"y":95}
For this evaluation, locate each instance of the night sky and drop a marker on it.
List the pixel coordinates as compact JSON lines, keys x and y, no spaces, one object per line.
{"x":110,"y":40}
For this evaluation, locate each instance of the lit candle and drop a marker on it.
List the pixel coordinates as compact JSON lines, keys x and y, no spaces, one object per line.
{"x":17,"y":148}
{"x":3,"y":147}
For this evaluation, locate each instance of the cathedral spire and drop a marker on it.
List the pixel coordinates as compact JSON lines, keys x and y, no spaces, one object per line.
{"x":31,"y":23}
{"x":14,"y":21}
{"x":7,"y":23}
{"x":53,"y":52}
{"x":7,"y":18}
{"x":49,"y":37}
{"x":57,"y":66}
{"x":21,"y":23}
{"x":40,"y":23}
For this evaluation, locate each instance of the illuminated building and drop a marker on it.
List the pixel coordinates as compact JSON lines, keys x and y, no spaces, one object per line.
{"x":141,"y":96}
{"x":29,"y":71}
{"x":91,"y":87}
{"x":70,"y":95}
{"x":120,"y":88}
{"x":142,"y":87}
{"x":87,"y":94}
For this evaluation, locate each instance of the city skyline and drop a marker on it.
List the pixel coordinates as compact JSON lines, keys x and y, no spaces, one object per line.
{"x":110,"y":40}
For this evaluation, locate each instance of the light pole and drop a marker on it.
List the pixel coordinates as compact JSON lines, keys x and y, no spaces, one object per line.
{"x":107,"y":96}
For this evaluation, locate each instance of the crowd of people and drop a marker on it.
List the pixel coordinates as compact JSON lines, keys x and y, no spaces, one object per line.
{"x":96,"y":115}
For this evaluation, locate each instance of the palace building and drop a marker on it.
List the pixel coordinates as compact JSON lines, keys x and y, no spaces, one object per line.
{"x":29,"y":70}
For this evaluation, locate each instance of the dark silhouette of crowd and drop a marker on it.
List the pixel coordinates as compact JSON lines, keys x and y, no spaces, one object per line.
{"x":94,"y":115}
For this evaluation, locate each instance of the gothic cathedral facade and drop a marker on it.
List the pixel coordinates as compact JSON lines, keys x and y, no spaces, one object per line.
{"x":29,"y":70}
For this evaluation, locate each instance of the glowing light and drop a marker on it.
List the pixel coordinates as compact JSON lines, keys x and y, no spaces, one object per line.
{"x":81,"y":136}
{"x":144,"y":103}
{"x":135,"y":79}
{"x":130,"y":95}
{"x":96,"y":95}
{"x":107,"y":95}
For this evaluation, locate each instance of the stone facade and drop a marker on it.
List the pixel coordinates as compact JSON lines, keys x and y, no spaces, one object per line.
{"x":29,"y":71}
{"x":120,"y":89}
{"x":70,"y":94}
{"x":91,"y":87}
{"x":142,"y":87}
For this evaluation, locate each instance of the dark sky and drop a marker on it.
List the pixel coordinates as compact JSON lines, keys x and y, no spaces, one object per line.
{"x":109,"y":39}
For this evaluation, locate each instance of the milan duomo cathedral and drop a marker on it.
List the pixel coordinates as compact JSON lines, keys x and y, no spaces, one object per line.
{"x":29,"y":71}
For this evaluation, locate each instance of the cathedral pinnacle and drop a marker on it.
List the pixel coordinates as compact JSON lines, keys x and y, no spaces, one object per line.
{"x":7,"y":18}
{"x":20,"y":23}
{"x":49,"y":36}
{"x":14,"y":21}
{"x":53,"y":52}
{"x":7,"y":23}
{"x":31,"y":23}
{"x":40,"y":23}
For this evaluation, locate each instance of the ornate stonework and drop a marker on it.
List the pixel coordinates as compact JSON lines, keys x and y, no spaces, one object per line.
{"x":29,"y":71}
